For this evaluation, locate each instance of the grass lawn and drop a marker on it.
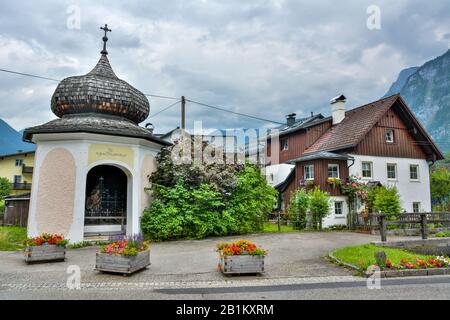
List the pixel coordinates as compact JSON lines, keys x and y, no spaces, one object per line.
{"x":273,"y":228}
{"x":363,"y":256}
{"x":12,"y":238}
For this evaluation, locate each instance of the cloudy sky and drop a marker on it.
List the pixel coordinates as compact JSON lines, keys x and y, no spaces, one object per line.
{"x":262,"y":57}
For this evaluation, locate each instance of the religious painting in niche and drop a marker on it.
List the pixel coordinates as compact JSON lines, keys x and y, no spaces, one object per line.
{"x":106,"y":196}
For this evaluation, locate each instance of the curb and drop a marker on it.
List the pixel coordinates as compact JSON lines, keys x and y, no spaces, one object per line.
{"x":340,"y":262}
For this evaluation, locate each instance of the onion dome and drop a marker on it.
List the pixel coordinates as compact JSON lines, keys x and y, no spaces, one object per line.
{"x":100,"y":91}
{"x":98,"y":103}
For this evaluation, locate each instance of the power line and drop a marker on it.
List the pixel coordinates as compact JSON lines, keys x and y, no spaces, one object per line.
{"x":28,"y":75}
{"x":162,"y":97}
{"x":51,"y":79}
{"x":233,"y":112}
{"x":166,"y":108}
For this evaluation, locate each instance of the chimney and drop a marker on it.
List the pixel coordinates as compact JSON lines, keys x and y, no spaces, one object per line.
{"x":290,"y":119}
{"x":149,"y":126}
{"x":338,"y":108}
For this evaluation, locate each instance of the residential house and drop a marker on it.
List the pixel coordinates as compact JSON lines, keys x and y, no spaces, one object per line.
{"x":18,"y":169}
{"x":381,"y":142}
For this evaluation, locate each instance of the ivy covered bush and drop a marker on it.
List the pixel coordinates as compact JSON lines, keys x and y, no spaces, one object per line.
{"x":197,"y":201}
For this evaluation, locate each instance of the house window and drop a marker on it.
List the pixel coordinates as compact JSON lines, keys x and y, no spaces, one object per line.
{"x":416,"y":207}
{"x":413,"y":172}
{"x":309,"y":172}
{"x":338,"y":205}
{"x":284,"y":144}
{"x":367,"y":169}
{"x":17,"y":179}
{"x":333,"y":171}
{"x":391,"y":171}
{"x":19,"y":162}
{"x":390,"y":136}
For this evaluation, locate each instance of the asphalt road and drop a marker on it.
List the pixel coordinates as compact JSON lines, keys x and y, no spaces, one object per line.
{"x":295,"y":269}
{"x":417,"y":288}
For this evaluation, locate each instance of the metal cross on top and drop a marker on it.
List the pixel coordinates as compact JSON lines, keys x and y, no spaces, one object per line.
{"x":105,"y":38}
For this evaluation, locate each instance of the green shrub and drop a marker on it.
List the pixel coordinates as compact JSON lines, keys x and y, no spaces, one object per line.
{"x":440,"y":186}
{"x":5,"y":187}
{"x":196,"y":201}
{"x":2,"y":206}
{"x":180,"y":212}
{"x":442,"y":234}
{"x":250,"y":202}
{"x":298,"y":207}
{"x":385,"y":200}
{"x":319,"y":206}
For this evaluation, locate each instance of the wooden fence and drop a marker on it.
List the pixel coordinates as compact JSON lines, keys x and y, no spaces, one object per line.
{"x":422,"y":219}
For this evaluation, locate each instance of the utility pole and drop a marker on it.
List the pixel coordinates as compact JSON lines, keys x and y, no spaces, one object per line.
{"x":183,"y":112}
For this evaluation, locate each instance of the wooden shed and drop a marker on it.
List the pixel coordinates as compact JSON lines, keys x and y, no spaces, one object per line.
{"x":16,"y":210}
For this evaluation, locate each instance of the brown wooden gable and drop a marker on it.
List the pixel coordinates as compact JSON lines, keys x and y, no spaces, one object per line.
{"x":404,"y":145}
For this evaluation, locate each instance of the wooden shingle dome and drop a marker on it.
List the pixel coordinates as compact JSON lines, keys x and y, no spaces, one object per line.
{"x":100,"y":91}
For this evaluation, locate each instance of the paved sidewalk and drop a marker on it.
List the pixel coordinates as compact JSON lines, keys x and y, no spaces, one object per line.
{"x":175,"y":263}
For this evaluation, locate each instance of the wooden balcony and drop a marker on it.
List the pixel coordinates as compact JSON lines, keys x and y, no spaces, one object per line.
{"x":21,"y":186}
{"x":26,"y":169}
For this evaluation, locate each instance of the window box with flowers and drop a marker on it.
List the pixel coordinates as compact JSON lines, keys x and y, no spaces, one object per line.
{"x":45,"y":247}
{"x":241,"y":257}
{"x":124,"y":255}
{"x":334,"y":182}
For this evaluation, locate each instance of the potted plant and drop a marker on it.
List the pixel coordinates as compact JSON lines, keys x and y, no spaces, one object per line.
{"x":46,"y":247}
{"x":241,"y":257}
{"x":124,"y":255}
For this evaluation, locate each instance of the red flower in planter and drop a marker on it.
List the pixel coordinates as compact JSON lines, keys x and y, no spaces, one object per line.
{"x":388,"y":263}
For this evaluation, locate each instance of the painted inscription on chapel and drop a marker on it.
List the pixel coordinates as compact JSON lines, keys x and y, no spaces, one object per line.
{"x":99,"y":152}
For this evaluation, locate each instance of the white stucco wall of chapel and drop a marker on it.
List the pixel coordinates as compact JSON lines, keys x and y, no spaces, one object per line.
{"x":79,"y":144}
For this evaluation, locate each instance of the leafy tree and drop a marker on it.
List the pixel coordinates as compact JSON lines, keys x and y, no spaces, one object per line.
{"x":440,"y":185}
{"x":385,"y":200}
{"x":298,"y":207}
{"x":446,"y":160}
{"x":5,"y":187}
{"x":319,"y":206}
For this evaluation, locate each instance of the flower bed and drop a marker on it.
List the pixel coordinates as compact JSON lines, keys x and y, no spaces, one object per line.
{"x":124,"y":255}
{"x":241,"y":257}
{"x":397,"y":263}
{"x":417,"y":263}
{"x":46,"y":247}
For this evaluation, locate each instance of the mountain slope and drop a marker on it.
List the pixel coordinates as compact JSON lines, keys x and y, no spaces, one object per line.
{"x":426,"y":89}
{"x":11,"y":140}
{"x":401,"y":80}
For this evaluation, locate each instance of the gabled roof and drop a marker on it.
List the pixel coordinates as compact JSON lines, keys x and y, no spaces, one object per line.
{"x":359,"y":121}
{"x":282,"y":186}
{"x":299,"y":124}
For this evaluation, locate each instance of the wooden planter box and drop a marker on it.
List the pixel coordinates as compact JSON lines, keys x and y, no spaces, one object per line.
{"x":122,"y":264}
{"x":45,"y":253}
{"x":242,"y":264}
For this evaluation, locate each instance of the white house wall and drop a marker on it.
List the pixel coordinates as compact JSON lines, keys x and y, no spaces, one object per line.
{"x":410,"y":191}
{"x":333,"y":219}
